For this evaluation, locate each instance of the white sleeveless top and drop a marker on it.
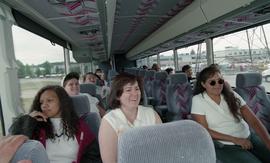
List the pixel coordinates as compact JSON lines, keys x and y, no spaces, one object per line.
{"x":119,"y":122}
{"x":61,"y":150}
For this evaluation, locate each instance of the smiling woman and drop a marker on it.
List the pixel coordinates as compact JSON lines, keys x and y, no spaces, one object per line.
{"x":124,"y":99}
{"x":226,"y":116}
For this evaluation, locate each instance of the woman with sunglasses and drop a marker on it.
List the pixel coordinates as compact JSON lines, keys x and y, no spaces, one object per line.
{"x":227,"y":118}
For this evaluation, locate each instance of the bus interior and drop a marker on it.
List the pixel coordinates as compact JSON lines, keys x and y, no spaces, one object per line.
{"x":124,"y":35}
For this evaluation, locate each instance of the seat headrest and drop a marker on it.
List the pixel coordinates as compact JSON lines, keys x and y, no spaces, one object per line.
{"x":150,"y":73}
{"x":161,"y":75}
{"x":178,"y":78}
{"x":92,"y":119}
{"x":180,"y":141}
{"x":81,"y":104}
{"x":31,"y":150}
{"x":142,"y":72}
{"x":248,"y":79}
{"x":178,"y":71}
{"x":88,"y":88}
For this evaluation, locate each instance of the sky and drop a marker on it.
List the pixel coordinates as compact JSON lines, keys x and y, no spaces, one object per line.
{"x":33,"y":49}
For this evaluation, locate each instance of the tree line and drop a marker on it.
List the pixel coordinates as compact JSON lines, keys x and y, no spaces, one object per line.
{"x":42,"y":70}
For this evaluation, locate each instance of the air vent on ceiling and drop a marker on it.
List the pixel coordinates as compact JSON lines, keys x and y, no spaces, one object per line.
{"x":89,"y":32}
{"x":166,"y":45}
{"x":207,"y":32}
{"x":179,"y":41}
{"x":61,"y":1}
{"x":263,"y":11}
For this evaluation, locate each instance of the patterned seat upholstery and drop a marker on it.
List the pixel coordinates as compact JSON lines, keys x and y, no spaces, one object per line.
{"x":148,"y":82}
{"x":88,"y":88}
{"x":91,"y":89}
{"x":248,"y":86}
{"x":93,"y":121}
{"x":179,"y":97}
{"x":142,"y":73}
{"x":159,"y":88}
{"x":81,"y":104}
{"x":182,"y":141}
{"x":159,"y":93}
{"x":31,"y":150}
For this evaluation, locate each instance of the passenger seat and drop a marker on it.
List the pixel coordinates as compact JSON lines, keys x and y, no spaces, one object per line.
{"x":179,"y":97}
{"x":182,"y":141}
{"x":81,"y":106}
{"x":31,"y":150}
{"x":248,"y":86}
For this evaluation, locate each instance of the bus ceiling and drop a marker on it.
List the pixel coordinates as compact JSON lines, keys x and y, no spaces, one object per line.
{"x":98,"y":29}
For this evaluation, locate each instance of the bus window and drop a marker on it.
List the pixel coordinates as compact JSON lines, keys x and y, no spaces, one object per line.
{"x":141,"y":62}
{"x":194,"y":55}
{"x":152,"y":60}
{"x":232,"y":53}
{"x":40,"y":63}
{"x":166,"y":60}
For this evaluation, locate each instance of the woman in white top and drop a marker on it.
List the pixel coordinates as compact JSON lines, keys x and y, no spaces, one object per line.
{"x":72,"y":86}
{"x":226,"y":116}
{"x":124,"y":99}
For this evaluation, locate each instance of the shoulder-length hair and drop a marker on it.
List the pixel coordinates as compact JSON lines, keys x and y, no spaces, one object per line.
{"x":68,"y":114}
{"x":232,"y":101}
{"x":117,"y":86}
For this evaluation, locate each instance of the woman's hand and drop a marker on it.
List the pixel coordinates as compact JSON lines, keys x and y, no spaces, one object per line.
{"x":244,"y":143}
{"x":39,"y":116}
{"x":9,"y":146}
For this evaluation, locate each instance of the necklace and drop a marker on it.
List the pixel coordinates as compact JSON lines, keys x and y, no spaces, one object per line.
{"x":59,"y":135}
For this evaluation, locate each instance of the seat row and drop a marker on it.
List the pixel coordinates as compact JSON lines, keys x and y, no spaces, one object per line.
{"x":172,"y":94}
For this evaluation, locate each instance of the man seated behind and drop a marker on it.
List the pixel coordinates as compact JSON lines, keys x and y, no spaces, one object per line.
{"x":188,"y":70}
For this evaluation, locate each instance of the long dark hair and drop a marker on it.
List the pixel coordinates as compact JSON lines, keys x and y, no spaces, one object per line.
{"x":68,"y":115}
{"x":232,"y":101}
{"x":118,"y":84}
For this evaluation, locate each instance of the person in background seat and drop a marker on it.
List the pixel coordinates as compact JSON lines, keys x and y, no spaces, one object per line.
{"x":71,"y":84}
{"x":101,"y":77}
{"x":53,"y":121}
{"x":169,"y":70}
{"x":124,"y":99}
{"x":227,"y":118}
{"x":155,"y":67}
{"x":90,"y":78}
{"x":145,"y":67}
{"x":101,"y":89}
{"x":188,"y":70}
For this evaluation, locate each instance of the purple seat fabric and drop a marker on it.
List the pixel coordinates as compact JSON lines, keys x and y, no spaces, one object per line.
{"x":148,"y":82}
{"x":248,"y":86}
{"x":179,"y":97}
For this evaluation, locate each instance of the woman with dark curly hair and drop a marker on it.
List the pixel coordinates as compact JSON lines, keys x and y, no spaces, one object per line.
{"x":53,"y":121}
{"x":226,"y":117}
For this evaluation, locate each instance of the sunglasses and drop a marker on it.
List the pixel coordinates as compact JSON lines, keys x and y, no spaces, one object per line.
{"x":213,"y":82}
